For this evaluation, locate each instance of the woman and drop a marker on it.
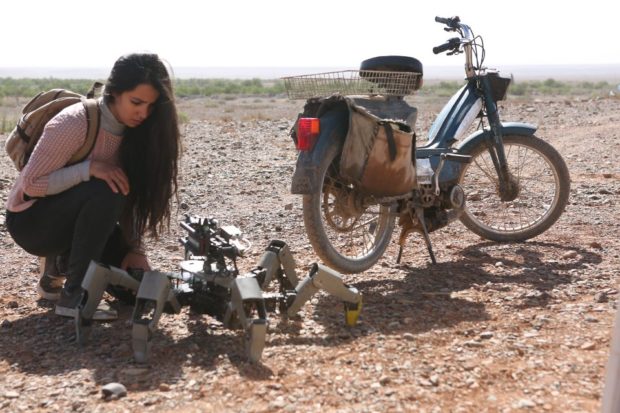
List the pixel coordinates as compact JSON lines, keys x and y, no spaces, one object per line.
{"x":100,"y":209}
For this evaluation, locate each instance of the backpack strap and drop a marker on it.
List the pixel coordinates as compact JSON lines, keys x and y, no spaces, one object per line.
{"x":93,"y":118}
{"x":93,"y":89}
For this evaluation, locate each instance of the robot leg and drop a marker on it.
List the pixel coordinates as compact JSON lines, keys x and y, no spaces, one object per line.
{"x":94,"y":284}
{"x":278,"y":256}
{"x":324,"y":278}
{"x":155,"y":290}
{"x":247,"y":307}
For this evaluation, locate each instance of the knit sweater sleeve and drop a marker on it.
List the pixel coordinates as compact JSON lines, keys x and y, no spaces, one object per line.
{"x":63,"y":135}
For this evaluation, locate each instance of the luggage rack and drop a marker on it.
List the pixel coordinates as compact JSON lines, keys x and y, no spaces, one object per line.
{"x":352,"y":82}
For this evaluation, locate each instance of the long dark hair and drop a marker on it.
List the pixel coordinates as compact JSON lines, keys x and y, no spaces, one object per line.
{"x":149,"y":152}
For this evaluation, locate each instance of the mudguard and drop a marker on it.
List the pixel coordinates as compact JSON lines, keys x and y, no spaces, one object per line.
{"x":508,"y":128}
{"x":334,"y":126}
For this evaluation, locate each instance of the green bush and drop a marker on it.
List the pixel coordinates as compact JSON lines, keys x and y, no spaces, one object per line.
{"x":529,"y":88}
{"x":10,"y":87}
{"x":25,"y":88}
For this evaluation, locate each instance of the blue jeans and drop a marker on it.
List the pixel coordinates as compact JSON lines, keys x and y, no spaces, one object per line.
{"x":80,"y":223}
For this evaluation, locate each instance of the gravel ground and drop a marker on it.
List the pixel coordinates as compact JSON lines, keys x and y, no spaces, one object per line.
{"x":490,"y":328}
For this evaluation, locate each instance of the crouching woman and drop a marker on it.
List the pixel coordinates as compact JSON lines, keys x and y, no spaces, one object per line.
{"x":100,"y":209}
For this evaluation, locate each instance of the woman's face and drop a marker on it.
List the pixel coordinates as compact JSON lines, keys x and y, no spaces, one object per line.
{"x":132,"y":107}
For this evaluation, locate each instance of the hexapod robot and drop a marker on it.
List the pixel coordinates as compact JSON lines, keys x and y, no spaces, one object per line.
{"x":210,"y":283}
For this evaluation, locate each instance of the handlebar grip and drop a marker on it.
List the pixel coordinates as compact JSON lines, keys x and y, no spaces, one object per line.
{"x":449,"y":45}
{"x":452,"y":22}
{"x":442,"y":48}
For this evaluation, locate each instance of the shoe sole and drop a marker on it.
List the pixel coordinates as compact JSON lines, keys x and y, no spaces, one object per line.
{"x":47,"y":295}
{"x":99,"y":315}
{"x":105,"y":315}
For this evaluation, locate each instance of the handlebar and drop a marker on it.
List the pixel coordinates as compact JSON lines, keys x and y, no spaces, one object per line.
{"x":454,"y":45}
{"x":449,"y":45}
{"x":452,"y":22}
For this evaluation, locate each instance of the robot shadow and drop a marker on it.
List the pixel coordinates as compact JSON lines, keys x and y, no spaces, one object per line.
{"x":44,"y":344}
{"x":422,"y":300}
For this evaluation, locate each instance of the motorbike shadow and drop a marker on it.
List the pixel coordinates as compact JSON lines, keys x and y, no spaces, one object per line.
{"x":421,"y":299}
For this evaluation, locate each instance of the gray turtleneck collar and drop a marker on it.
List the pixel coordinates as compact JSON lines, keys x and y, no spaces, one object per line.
{"x":108,"y":121}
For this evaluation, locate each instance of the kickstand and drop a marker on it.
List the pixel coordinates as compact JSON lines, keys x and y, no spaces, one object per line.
{"x":420,"y":214}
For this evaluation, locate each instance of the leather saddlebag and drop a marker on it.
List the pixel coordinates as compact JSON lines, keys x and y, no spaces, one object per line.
{"x":378,"y":155}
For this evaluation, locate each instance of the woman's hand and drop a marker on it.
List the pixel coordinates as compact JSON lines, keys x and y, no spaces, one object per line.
{"x":113,"y":175}
{"x":136,"y":260}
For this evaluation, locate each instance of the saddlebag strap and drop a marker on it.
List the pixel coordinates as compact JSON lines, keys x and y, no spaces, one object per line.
{"x":389,"y":134}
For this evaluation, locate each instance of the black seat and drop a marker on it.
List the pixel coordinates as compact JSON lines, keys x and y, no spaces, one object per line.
{"x":394,"y":64}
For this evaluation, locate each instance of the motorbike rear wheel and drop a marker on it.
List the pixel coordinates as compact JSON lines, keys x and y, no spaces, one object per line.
{"x":346,"y":231}
{"x":539,"y":198}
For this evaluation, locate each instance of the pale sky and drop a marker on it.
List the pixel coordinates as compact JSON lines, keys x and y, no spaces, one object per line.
{"x":316,"y":33}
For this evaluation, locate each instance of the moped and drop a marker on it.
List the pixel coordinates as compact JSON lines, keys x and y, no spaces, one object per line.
{"x":501,"y":181}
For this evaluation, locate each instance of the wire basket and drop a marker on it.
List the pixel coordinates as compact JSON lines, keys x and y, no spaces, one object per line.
{"x":352,"y":82}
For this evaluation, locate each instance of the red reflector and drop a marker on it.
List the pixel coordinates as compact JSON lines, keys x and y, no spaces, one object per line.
{"x":307,"y":131}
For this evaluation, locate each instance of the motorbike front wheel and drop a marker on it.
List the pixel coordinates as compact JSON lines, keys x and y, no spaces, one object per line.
{"x":540,"y":187}
{"x":347,"y":231}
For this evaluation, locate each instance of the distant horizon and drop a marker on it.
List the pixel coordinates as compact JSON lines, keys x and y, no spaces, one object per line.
{"x":586,"y":72}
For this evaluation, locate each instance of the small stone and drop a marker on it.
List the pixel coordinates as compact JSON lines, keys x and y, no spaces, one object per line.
{"x":499,"y":264}
{"x":472,"y":343}
{"x":486,"y":335}
{"x":278,"y":403}
{"x":588,"y":346}
{"x":607,"y":175}
{"x":112,"y":391}
{"x":288,"y":207}
{"x":434,"y":379}
{"x":384,"y":380}
{"x":600,"y":298}
{"x":164,"y":387}
{"x":525,"y":403}
{"x":12,"y":304}
{"x":184,"y":206}
{"x":408,"y":336}
{"x":11,"y":395}
{"x":595,"y":245}
{"x":570,"y":254}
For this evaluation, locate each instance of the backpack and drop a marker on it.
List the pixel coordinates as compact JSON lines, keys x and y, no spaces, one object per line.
{"x":35,"y":115}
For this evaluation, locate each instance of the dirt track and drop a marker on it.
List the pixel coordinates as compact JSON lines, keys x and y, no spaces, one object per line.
{"x":490,"y":328}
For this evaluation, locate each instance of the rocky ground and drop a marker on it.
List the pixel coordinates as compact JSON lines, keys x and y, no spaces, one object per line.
{"x":490,"y":328}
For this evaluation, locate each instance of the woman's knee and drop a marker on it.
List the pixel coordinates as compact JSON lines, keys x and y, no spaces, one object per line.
{"x":102,"y":201}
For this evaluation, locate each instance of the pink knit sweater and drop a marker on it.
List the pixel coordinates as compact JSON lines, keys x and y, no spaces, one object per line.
{"x":62,"y":137}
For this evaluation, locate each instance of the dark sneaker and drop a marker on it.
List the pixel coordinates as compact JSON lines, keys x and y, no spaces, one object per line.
{"x":49,"y":287}
{"x":68,"y":304}
{"x":53,"y":274}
